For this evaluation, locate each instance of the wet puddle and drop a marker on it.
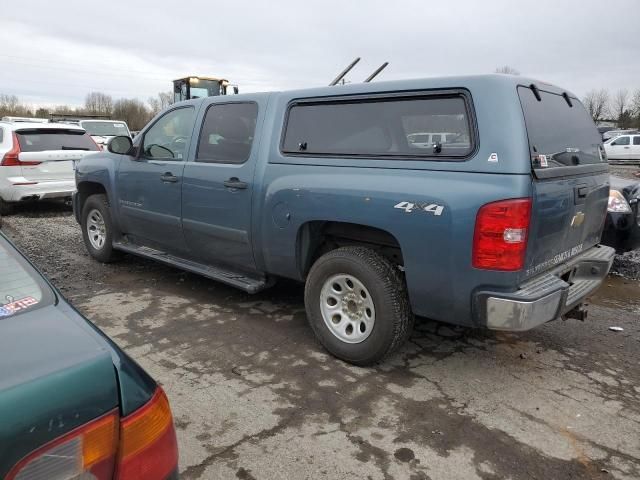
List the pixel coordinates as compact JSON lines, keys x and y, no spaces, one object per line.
{"x":618,"y":292}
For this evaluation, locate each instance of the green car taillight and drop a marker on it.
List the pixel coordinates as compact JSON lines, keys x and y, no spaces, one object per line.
{"x":140,"y":446}
{"x":91,"y":448}
{"x":148,"y":445}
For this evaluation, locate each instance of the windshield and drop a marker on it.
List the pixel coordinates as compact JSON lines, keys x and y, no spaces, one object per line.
{"x":21,"y":288}
{"x":105,"y":129}
{"x":559,"y":135}
{"x":204,"y":88}
{"x":39,"y":140}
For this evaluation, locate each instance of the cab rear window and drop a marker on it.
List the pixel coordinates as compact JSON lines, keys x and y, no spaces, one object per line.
{"x":21,"y":289}
{"x":560,"y":135}
{"x":404,"y":127}
{"x":41,"y":139}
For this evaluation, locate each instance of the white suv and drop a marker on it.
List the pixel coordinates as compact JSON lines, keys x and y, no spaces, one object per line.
{"x":37,"y":160}
{"x":625,"y":148}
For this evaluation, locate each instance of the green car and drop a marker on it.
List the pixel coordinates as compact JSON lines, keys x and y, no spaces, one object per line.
{"x":72,"y":404}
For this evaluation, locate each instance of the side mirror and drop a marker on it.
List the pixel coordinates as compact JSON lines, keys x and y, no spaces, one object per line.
{"x":158,"y":151}
{"x":120,"y":145}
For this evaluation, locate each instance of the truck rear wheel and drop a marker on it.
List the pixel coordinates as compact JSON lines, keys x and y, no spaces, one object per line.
{"x":97,"y":229}
{"x":357,"y":305}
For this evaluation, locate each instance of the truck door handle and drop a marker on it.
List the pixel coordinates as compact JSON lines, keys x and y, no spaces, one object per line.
{"x":168,"y":177}
{"x":582,"y":192}
{"x":234,"y":182}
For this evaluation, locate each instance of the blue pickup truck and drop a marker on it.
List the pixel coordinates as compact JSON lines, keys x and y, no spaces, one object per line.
{"x":476,"y":200}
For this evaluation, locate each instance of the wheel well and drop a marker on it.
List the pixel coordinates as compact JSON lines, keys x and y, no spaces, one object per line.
{"x":85,"y":190}
{"x":319,"y":237}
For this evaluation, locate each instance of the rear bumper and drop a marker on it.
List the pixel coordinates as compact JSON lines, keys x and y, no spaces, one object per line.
{"x":14,"y":192}
{"x":547,"y":296}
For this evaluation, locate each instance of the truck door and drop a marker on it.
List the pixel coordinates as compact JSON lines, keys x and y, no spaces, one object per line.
{"x":570,"y":179}
{"x":149,"y":184}
{"x":218,"y":185}
{"x":619,"y":149}
{"x":635,"y":148}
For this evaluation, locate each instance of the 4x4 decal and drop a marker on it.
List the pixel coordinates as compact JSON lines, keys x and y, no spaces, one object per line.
{"x":410,"y":207}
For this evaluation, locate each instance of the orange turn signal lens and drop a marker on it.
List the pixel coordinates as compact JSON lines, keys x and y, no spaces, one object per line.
{"x":100,"y":441}
{"x":148,"y":445}
{"x":145,"y":426}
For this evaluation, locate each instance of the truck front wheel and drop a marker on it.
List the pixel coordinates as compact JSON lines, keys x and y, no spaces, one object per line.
{"x":97,"y":229}
{"x":357,"y":305}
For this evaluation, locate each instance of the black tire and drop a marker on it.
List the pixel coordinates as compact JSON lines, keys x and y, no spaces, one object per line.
{"x":386,"y":285}
{"x":105,"y":254}
{"x":6,"y":208}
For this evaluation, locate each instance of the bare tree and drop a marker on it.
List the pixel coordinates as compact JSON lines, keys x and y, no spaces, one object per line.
{"x":597,"y":103}
{"x":166,"y":99}
{"x":98,"y":103}
{"x":635,"y":103}
{"x":507,"y":70}
{"x":159,"y":103}
{"x":43,"y":112}
{"x":154,"y":104}
{"x":132,"y":111}
{"x":11,"y":105}
{"x":619,"y":103}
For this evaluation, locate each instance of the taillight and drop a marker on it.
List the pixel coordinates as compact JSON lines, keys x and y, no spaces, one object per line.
{"x":148,"y":446}
{"x":10,"y":158}
{"x":500,"y":236}
{"x":88,"y":451}
{"x":139,"y":446}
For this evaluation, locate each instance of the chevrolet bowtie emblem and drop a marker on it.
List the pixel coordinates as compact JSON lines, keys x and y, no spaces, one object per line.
{"x":577,"y":219}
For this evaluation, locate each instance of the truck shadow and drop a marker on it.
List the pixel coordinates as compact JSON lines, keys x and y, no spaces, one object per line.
{"x":43,"y":208}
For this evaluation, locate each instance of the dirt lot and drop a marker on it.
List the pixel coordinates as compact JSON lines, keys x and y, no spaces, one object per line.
{"x":255,"y":397}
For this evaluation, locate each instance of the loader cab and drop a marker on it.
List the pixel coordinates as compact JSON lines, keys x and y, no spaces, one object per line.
{"x":199,"y":87}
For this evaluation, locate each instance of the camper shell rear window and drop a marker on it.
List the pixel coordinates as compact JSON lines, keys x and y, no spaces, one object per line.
{"x":561,"y":136}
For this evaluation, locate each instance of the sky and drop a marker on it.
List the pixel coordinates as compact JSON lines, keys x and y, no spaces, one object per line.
{"x":57,"y":52}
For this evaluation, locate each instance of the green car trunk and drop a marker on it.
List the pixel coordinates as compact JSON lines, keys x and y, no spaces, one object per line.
{"x":54,"y":377}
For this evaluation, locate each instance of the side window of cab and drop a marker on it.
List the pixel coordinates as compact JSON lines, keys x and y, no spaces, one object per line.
{"x":621,"y":141}
{"x":168,"y":138}
{"x":227,"y":133}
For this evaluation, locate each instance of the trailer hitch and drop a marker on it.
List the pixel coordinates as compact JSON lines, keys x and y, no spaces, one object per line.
{"x":579,"y":313}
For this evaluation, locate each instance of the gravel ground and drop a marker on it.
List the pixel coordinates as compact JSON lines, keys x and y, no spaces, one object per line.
{"x":627,"y":265}
{"x":625,"y":171}
{"x":255,"y":397}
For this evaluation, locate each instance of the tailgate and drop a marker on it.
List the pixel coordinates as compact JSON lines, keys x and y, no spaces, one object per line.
{"x":570,"y":179}
{"x":567,"y":218}
{"x":49,"y":154}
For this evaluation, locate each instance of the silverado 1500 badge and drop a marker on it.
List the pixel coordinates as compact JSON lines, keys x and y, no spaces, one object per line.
{"x":410,"y":207}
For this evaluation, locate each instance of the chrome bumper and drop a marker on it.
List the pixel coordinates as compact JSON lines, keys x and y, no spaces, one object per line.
{"x":548,"y":296}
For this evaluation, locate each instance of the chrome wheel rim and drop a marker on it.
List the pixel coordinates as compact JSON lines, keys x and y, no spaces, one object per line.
{"x":96,"y":229}
{"x":347,"y":308}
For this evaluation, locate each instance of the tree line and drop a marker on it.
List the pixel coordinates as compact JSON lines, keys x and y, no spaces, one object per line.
{"x":133,"y":111}
{"x":621,"y":106}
